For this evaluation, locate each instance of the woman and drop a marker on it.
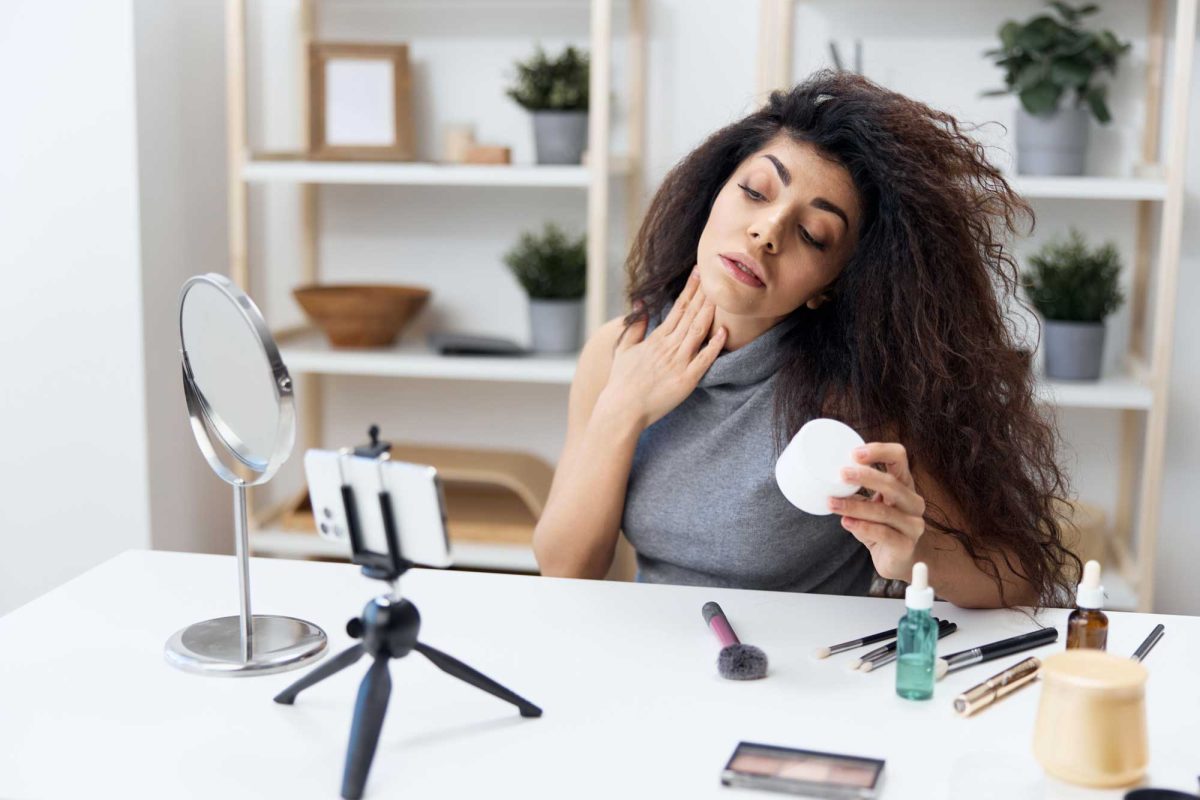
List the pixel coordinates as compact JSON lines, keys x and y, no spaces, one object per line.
{"x":837,"y":253}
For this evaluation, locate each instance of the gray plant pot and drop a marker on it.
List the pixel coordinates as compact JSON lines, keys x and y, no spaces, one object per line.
{"x":1054,"y":144}
{"x":560,"y":136}
{"x":1074,"y":350}
{"x":555,"y":325}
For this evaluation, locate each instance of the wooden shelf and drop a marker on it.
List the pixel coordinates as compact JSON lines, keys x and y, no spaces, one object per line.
{"x":312,"y":354}
{"x":467,"y":555}
{"x":1111,"y":391}
{"x":421,"y":174}
{"x":1088,"y":187}
{"x":493,"y":499}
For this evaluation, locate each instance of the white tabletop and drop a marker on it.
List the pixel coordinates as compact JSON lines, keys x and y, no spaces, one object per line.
{"x":625,"y":672}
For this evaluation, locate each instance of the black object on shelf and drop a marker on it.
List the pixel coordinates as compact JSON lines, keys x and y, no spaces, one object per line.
{"x":466,"y":344}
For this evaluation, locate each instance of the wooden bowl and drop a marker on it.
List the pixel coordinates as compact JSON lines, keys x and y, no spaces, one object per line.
{"x":360,"y":315}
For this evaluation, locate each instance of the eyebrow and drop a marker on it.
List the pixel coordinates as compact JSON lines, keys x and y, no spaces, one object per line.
{"x":818,"y":202}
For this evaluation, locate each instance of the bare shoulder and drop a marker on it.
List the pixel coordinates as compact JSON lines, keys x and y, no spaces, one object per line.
{"x":591,"y":373}
{"x":597,"y":354}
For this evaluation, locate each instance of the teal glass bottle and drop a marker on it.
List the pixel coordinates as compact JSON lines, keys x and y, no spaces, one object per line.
{"x":916,"y":639}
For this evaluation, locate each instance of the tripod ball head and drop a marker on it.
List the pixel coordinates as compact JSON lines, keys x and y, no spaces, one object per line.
{"x":390,"y":627}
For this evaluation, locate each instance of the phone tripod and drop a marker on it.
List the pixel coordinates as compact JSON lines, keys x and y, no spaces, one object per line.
{"x":389,"y":628}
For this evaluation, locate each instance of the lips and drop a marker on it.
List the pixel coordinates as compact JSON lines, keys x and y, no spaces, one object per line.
{"x":744,"y":268}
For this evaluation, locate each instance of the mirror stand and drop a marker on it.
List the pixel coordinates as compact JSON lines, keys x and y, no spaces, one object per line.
{"x":240,"y":406}
{"x":245,"y":644}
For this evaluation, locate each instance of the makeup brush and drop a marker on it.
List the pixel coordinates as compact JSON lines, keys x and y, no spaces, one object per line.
{"x":880,"y":652}
{"x":944,"y":629}
{"x":987,"y":652}
{"x":1145,"y":647}
{"x":737,"y":661}
{"x":826,"y":652}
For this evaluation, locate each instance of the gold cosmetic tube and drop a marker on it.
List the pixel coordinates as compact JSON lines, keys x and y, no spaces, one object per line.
{"x":1091,"y":723}
{"x":997,"y":686}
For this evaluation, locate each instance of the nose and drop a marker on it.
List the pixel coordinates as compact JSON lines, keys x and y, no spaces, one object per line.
{"x":765,"y":232}
{"x":767,"y":243}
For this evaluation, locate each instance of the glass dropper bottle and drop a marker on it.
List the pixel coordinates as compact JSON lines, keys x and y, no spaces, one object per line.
{"x":1087,"y":627}
{"x":916,"y":639}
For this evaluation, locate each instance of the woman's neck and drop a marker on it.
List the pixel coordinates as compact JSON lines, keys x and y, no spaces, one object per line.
{"x":741,"y":330}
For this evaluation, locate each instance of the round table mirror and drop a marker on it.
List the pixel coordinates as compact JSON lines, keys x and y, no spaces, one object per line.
{"x":239,"y":400}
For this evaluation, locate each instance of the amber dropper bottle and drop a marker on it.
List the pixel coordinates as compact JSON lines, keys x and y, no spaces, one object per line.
{"x":1087,"y":627}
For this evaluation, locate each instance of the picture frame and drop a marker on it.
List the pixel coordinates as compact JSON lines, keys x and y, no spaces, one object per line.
{"x":360,"y":102}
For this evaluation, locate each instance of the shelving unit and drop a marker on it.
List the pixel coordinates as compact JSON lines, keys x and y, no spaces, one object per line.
{"x":312,"y":355}
{"x":307,"y":354}
{"x":1140,"y":395}
{"x":409,"y":174}
{"x":1085,"y":188}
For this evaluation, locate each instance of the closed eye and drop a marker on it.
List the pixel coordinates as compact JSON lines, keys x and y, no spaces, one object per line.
{"x":753,"y":195}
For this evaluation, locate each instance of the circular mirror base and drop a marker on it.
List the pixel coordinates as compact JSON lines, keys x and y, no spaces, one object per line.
{"x":214,"y":647}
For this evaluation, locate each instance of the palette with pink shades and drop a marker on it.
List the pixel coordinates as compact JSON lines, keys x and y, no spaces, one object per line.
{"x":802,"y":772}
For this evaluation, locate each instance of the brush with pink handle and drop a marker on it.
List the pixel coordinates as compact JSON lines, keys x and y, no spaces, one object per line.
{"x":737,"y":661}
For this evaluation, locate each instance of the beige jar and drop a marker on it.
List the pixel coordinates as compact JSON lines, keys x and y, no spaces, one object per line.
{"x":1091,"y":723}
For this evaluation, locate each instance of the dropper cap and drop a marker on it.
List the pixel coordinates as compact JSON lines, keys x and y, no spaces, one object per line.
{"x":1090,"y":593}
{"x":919,"y":594}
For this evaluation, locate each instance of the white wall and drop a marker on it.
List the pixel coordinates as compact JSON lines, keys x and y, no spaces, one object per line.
{"x":73,"y":477}
{"x":179,"y":46}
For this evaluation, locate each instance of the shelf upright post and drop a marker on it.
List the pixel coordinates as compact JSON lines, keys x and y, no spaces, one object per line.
{"x":774,"y":46}
{"x":311,"y":412}
{"x":1121,"y":540}
{"x":1170,"y":242}
{"x":637,"y":117}
{"x":237,"y":145}
{"x":1156,"y":35}
{"x":236,"y":138}
{"x":596,"y":305}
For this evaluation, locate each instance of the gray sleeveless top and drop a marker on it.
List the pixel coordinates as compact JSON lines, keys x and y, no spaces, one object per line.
{"x":702,"y":506}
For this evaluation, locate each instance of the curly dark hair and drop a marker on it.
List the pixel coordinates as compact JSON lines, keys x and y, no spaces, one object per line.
{"x":915,"y":343}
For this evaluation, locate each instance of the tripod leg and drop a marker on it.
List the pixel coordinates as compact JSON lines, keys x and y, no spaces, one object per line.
{"x":461,"y":671}
{"x":318,"y":674}
{"x":373,"y":694}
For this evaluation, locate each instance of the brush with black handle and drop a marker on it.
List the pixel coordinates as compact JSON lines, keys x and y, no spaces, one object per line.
{"x":988,"y":652}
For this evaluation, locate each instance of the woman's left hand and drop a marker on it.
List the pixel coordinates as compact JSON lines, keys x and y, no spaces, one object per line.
{"x":892,"y":522}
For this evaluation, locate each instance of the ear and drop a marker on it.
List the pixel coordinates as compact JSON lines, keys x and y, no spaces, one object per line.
{"x":816,"y":302}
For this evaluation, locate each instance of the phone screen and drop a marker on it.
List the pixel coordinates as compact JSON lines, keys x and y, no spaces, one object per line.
{"x":803,"y":772}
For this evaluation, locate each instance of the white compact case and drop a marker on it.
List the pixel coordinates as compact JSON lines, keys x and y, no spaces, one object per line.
{"x":418,"y":506}
{"x":809,"y":469}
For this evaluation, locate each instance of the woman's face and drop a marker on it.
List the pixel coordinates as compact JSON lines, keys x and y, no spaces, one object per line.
{"x":787,"y":215}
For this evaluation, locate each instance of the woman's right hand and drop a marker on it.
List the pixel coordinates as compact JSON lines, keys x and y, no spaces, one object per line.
{"x":652,"y":375}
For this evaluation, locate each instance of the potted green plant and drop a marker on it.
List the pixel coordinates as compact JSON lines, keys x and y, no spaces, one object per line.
{"x":555,"y":91}
{"x":1052,"y":65}
{"x":1074,"y":288}
{"x":552,"y":269}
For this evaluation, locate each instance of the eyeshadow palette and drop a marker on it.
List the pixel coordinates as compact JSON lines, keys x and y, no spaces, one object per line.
{"x":806,"y":773}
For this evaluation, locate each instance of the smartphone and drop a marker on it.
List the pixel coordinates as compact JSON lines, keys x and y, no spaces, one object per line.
{"x":802,"y":772}
{"x":417,"y":502}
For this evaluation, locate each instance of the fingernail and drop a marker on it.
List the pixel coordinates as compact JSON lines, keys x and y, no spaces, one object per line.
{"x":836,"y":503}
{"x":849,"y":473}
{"x":860,"y":452}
